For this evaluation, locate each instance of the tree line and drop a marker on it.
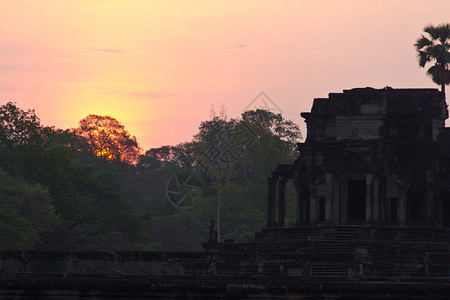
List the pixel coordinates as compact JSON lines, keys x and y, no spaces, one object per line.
{"x":92,"y":187}
{"x":52,"y":192}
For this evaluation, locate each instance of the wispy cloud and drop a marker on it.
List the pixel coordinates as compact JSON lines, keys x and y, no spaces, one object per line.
{"x":110,"y":50}
{"x":146,"y":95}
{"x":6,"y":88}
{"x":241,"y":46}
{"x":14,"y":68}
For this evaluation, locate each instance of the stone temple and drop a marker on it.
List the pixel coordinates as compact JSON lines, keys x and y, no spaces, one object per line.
{"x":372,"y":184}
{"x":370,"y":157}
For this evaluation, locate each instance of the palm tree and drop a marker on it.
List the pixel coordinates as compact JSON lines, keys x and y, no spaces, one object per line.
{"x":434,"y":46}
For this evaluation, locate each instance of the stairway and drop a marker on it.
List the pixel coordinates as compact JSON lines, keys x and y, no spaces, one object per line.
{"x":339,"y":240}
{"x":400,"y":252}
{"x":284,"y":234}
{"x":333,"y":240}
{"x":329,"y":270}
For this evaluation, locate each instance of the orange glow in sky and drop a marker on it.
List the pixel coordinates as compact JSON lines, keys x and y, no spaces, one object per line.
{"x":159,"y":66}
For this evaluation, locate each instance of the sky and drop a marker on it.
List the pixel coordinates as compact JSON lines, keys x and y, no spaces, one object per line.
{"x":159,"y":67}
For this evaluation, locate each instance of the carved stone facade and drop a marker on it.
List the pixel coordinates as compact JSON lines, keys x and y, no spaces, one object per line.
{"x":371,"y":156}
{"x":372,"y":184}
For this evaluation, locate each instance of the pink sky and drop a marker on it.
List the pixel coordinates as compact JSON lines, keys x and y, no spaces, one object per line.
{"x":159,"y":66}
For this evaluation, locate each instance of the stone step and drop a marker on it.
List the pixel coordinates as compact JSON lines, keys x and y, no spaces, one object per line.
{"x":344,"y":237}
{"x":349,"y":233}
{"x":393,"y":269}
{"x":333,"y":246}
{"x":286,"y":233}
{"x":328,"y":270}
{"x":439,"y":270}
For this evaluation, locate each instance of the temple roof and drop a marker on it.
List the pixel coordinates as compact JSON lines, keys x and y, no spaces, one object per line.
{"x":386,"y":101}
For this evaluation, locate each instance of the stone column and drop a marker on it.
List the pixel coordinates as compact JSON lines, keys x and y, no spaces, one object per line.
{"x":271,"y":201}
{"x":335,"y":216}
{"x":281,"y":201}
{"x":313,"y":198}
{"x":343,"y":201}
{"x":298,"y":203}
{"x":369,"y":203}
{"x":402,"y":207}
{"x":376,"y":199}
{"x":329,"y":198}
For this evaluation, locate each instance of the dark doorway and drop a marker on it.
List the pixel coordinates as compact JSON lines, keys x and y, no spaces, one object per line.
{"x":446,"y":211}
{"x":393,"y":217}
{"x":356,"y":200}
{"x":415,"y":200}
{"x":415,"y":210}
{"x":321,"y":209}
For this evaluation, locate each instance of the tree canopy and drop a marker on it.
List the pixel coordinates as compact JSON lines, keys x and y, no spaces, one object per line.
{"x":48,"y":199}
{"x":230,"y":161}
{"x":27,"y":213}
{"x":434,"y":47}
{"x":58,"y":189}
{"x":107,"y":138}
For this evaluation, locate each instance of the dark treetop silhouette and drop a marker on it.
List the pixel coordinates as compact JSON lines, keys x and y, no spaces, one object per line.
{"x":434,"y":46}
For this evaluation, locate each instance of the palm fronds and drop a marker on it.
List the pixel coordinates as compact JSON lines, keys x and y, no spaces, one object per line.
{"x":434,"y":46}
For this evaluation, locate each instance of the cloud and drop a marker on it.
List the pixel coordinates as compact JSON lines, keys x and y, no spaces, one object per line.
{"x":241,"y":46}
{"x":6,"y":68}
{"x":5,"y":88}
{"x":110,"y":50}
{"x":146,"y":95}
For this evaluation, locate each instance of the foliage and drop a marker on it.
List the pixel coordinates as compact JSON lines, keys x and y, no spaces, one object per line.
{"x":162,"y":158}
{"x":59,"y":198}
{"x":37,"y":153}
{"x":107,"y":138}
{"x":19,"y":128}
{"x":434,"y":46}
{"x":286,"y":131}
{"x":236,"y":156}
{"x":27,"y":213}
{"x":91,"y":214}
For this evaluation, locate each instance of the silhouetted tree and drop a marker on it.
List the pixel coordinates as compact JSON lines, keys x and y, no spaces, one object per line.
{"x":434,"y":46}
{"x":106,"y":137}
